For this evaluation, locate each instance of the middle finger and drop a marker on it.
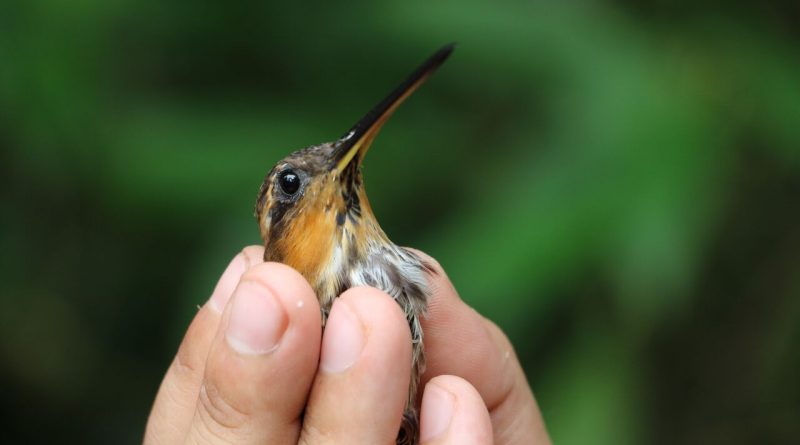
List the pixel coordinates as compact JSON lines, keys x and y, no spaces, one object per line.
{"x":365,"y":365}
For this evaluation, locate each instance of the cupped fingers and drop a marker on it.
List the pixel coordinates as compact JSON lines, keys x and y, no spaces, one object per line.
{"x":453,"y":413}
{"x":361,"y":387}
{"x":261,"y":362}
{"x":459,"y":341}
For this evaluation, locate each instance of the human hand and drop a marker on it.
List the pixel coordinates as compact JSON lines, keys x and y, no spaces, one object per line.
{"x":254,"y":367}
{"x":461,"y":342}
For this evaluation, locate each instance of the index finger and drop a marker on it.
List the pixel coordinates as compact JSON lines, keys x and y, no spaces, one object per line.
{"x":174,"y":405}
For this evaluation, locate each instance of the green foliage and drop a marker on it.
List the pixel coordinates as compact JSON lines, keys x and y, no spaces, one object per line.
{"x":616,"y":186}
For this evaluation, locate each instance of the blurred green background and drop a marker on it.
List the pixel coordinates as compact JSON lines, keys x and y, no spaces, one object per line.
{"x":616,"y":183}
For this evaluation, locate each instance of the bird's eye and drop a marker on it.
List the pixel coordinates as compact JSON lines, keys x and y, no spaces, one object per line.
{"x":289,"y":182}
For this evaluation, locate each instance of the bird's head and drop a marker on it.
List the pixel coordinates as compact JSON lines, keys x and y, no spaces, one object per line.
{"x":312,"y":209}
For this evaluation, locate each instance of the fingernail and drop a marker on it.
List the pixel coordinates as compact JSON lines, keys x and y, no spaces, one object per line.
{"x":257,"y":320}
{"x":343,"y":339}
{"x":437,"y":411}
{"x":227,"y":283}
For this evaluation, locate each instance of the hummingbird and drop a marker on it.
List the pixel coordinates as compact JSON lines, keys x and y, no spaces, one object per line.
{"x":314,"y":215}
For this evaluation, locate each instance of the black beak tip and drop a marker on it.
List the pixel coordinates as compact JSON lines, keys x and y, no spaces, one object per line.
{"x":444,"y":52}
{"x":447,"y":49}
{"x":352,"y":136}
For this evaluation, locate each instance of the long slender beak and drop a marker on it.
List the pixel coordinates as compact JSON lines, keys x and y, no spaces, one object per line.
{"x":353,"y":145}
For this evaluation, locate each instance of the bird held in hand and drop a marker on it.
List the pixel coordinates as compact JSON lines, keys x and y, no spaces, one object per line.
{"x":314,"y":215}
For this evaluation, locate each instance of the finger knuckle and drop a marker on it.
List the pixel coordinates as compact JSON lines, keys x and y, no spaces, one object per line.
{"x":508,"y":383}
{"x":313,"y":435}
{"x":500,"y":338}
{"x":218,"y":412}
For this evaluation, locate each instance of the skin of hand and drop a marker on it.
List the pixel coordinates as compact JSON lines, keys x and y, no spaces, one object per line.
{"x":255,"y":367}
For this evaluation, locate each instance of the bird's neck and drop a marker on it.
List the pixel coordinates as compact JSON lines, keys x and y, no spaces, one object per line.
{"x":357,"y":237}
